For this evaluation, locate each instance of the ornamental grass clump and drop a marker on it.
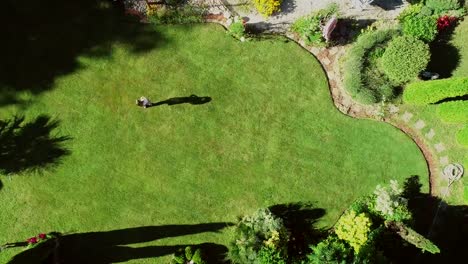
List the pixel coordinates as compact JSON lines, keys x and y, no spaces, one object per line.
{"x":404,"y":58}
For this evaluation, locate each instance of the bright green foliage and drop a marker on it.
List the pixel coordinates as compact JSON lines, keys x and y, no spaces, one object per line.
{"x":420,"y":26}
{"x":453,"y":112}
{"x":267,"y":7}
{"x":390,"y":204}
{"x":310,"y":27}
{"x":429,"y":92}
{"x":354,"y":68}
{"x":268,"y":255}
{"x":330,"y":251}
{"x":237,"y":28}
{"x":413,"y":237}
{"x":354,"y":229}
{"x":252,"y":233}
{"x":410,"y":11}
{"x":440,"y":6}
{"x":188,"y":255}
{"x":404,"y":58}
{"x":462,"y":136}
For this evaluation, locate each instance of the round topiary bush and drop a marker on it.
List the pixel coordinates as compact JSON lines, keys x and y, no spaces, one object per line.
{"x":404,"y":58}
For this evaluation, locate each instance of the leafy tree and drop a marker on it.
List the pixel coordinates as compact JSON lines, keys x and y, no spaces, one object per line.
{"x":390,"y":203}
{"x":354,"y":229}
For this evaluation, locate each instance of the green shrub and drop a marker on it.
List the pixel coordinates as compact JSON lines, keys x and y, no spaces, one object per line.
{"x":252,"y":233}
{"x":462,"y":136}
{"x":237,"y":29}
{"x":453,"y":112}
{"x":268,"y":255}
{"x":429,"y":92}
{"x":181,"y":15}
{"x":309,"y":27}
{"x":440,"y":6}
{"x":410,"y":11}
{"x":355,"y":77}
{"x":188,"y":255}
{"x":354,"y":229}
{"x":404,"y":58}
{"x":422,"y":27}
{"x":267,"y":7}
{"x":330,"y":251}
{"x":390,"y":203}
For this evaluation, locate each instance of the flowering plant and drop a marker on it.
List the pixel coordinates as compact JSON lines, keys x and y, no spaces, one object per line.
{"x":445,"y":22}
{"x":40,"y":238}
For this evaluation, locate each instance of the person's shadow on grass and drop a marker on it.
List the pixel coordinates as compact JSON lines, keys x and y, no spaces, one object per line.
{"x":114,"y":246}
{"x":192,"y":99}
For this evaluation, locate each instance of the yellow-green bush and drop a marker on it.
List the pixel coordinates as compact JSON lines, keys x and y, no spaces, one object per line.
{"x":354,"y":229}
{"x":267,"y":7}
{"x":429,"y":92}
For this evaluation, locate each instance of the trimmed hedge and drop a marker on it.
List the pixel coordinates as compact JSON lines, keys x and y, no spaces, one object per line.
{"x":462,"y":136}
{"x":404,"y":58}
{"x":429,"y":92}
{"x":454,"y":112}
{"x":354,"y":64}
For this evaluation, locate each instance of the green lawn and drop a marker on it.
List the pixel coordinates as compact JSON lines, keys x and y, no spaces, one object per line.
{"x":270,"y":135}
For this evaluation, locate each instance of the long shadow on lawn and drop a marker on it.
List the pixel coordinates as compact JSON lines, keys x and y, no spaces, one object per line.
{"x":300,"y":220}
{"x":110,"y":246}
{"x":192,"y":99}
{"x":449,"y":231}
{"x":41,"y":40}
{"x":29,"y":145}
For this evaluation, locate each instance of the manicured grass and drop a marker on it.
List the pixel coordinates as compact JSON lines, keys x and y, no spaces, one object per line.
{"x":460,"y":41}
{"x":270,"y":135}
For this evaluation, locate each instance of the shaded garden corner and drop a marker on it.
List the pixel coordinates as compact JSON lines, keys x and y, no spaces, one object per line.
{"x":42,"y":40}
{"x":112,"y":246}
{"x":30,"y":145}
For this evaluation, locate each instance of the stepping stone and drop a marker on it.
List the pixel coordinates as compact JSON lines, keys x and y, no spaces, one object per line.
{"x":444,"y":160}
{"x":326,"y":61}
{"x":314,"y":50}
{"x":333,"y":51}
{"x":430,"y":134}
{"x":439,"y":147}
{"x":331,"y":75}
{"x":393,"y":109}
{"x":419,"y":124}
{"x":407,"y":116}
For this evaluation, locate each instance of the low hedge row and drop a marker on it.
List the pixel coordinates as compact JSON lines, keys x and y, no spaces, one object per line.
{"x":453,"y":112}
{"x":429,"y":92}
{"x":462,"y":136}
{"x":354,"y":64}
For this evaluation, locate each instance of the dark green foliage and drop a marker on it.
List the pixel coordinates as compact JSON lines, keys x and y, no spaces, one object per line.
{"x":462,"y":136}
{"x":332,"y":251}
{"x":440,"y":6}
{"x":404,"y":58}
{"x":420,"y":26}
{"x":309,"y":27}
{"x":454,"y":112}
{"x":268,"y":255}
{"x":362,"y":78}
{"x":180,"y":15}
{"x":429,"y":92}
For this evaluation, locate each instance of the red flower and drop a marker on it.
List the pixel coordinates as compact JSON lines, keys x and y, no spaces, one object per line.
{"x":32,"y":240}
{"x":445,"y":22}
{"x":42,"y":236}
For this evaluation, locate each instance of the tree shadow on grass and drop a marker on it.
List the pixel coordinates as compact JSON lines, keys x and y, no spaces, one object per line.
{"x":192,"y":99}
{"x":112,"y":246}
{"x":445,"y":57}
{"x":300,"y":220}
{"x":449,"y":230}
{"x":41,"y":40}
{"x":30,"y":145}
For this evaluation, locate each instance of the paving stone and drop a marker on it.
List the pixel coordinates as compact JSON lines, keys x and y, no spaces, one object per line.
{"x":333,"y":51}
{"x":439,"y":147}
{"x":444,"y":160}
{"x":407,"y":116}
{"x":393,"y":109}
{"x":314,"y":50}
{"x":430,"y":134}
{"x":419,"y":124}
{"x":331,"y":75}
{"x":326,"y":61}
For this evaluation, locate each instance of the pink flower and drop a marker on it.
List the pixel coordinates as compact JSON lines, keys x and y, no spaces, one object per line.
{"x":42,"y":236}
{"x":32,"y":240}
